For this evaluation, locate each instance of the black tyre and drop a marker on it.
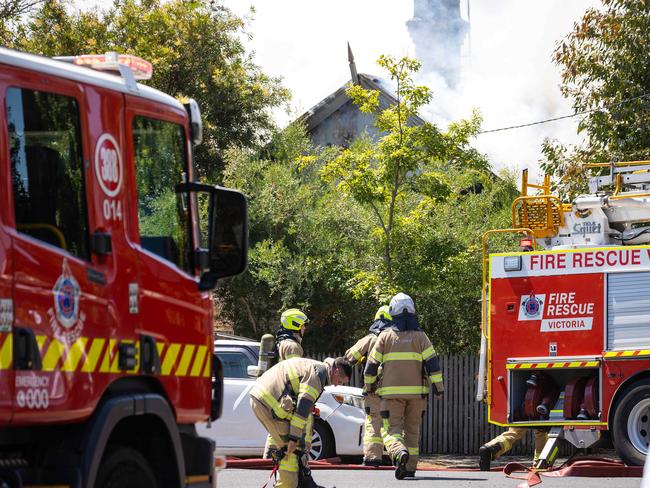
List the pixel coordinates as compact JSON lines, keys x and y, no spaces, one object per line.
{"x":123,"y":467}
{"x":322,"y":444}
{"x":631,"y":427}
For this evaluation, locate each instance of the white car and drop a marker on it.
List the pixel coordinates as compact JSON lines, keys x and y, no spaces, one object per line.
{"x":338,"y":429}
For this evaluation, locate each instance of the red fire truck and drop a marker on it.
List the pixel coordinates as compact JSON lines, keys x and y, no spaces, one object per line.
{"x":108,"y":252}
{"x":566,"y":323}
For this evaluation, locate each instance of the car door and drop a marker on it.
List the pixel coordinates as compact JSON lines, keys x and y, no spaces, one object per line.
{"x":238,"y":427}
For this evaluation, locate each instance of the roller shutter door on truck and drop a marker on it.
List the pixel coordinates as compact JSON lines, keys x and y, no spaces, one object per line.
{"x":628,"y":311}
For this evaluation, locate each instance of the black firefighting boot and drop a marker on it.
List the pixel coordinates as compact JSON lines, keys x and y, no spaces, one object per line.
{"x":374,"y":463}
{"x":305,"y":479}
{"x":487,"y":454}
{"x":401,"y":459}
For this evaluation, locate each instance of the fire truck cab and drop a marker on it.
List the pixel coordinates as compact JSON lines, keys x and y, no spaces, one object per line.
{"x":566,"y":323}
{"x":109,"y":250}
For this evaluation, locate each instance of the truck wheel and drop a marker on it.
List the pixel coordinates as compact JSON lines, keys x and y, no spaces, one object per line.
{"x":631,"y":428}
{"x":123,"y":467}
{"x":322,"y":442}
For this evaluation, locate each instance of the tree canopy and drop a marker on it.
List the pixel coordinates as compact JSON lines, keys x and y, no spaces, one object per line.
{"x":196,"y":51}
{"x":605,"y":71}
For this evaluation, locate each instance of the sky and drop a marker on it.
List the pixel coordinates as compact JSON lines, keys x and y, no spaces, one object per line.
{"x":507,"y":72}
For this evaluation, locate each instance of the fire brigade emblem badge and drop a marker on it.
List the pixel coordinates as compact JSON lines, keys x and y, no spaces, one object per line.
{"x":531,"y":307}
{"x":66,"y":319}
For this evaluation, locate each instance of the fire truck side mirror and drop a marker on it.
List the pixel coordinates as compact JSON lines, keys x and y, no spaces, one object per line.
{"x":227,"y":252}
{"x":196,"y":125}
{"x":228,"y":233}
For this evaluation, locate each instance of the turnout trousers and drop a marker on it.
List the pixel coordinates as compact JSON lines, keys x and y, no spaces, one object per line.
{"x":373,"y":442}
{"x":279,"y":432}
{"x":303,"y":445}
{"x":401,"y":420}
{"x":513,"y":435}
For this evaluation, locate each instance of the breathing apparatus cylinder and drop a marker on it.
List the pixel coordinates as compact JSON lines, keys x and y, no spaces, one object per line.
{"x":267,"y":348}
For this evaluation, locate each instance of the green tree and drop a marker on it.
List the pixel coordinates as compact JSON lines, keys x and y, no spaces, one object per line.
{"x":306,"y":242}
{"x":605,"y":71}
{"x":13,"y":9}
{"x":196,"y":52}
{"x":406,"y":168}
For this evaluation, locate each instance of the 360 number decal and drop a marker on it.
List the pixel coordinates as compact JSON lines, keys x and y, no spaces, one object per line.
{"x":109,"y":172}
{"x":108,"y":165}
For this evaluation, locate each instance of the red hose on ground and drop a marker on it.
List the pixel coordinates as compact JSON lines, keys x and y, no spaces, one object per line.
{"x":584,"y":466}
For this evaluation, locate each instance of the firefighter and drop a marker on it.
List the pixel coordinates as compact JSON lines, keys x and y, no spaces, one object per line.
{"x":282,"y":399}
{"x":373,"y":443}
{"x":288,"y":343}
{"x":404,"y":352}
{"x":288,"y":338}
{"x":504,"y":442}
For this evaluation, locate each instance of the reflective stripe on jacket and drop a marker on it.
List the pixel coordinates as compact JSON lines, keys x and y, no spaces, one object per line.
{"x":404,"y":358}
{"x":290,"y":389}
{"x":358,"y":353}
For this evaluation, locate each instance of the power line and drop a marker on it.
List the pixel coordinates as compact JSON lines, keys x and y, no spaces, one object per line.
{"x":564,"y":116}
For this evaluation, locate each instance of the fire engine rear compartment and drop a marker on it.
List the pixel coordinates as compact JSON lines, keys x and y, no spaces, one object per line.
{"x":565,"y":390}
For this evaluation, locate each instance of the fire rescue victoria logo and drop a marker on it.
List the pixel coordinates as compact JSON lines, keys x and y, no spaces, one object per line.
{"x":66,"y":319}
{"x":531,"y":307}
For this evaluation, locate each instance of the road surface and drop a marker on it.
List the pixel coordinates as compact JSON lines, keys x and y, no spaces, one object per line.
{"x":245,"y":478}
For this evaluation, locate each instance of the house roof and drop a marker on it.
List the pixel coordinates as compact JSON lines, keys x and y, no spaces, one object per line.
{"x":330,"y":104}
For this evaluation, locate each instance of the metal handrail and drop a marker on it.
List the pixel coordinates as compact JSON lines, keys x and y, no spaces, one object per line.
{"x":485,"y":346}
{"x":608,"y":165}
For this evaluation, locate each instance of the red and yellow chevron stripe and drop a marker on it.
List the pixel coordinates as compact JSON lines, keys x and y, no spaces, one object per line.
{"x":626,"y":354}
{"x":101,"y":355}
{"x":6,"y":351}
{"x":556,"y":365}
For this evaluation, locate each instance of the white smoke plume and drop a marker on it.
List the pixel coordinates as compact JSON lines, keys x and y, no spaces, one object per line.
{"x":508,"y":74}
{"x":507,"y":71}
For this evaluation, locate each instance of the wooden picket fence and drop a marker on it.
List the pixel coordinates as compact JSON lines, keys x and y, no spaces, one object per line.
{"x":457,"y":424}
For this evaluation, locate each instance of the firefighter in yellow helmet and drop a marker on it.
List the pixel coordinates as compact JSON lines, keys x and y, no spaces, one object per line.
{"x":410,"y":366}
{"x":288,"y":342}
{"x":282,"y":399}
{"x":288,"y":338}
{"x":288,"y":345}
{"x":373,"y":443}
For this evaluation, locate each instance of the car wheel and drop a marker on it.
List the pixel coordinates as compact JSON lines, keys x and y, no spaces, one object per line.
{"x":631,"y":426}
{"x":322,"y":442}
